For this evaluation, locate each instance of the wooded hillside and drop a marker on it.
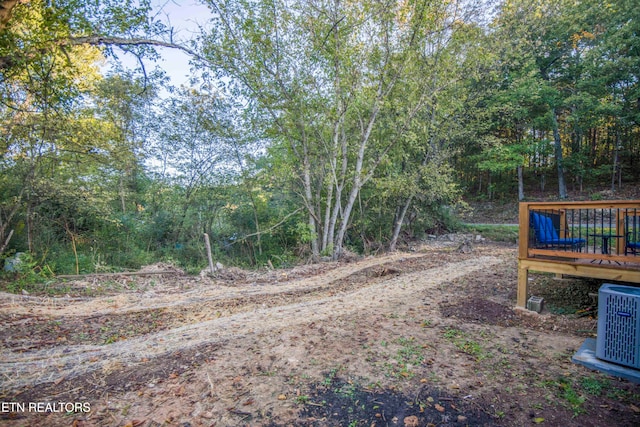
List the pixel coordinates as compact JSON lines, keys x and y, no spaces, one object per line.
{"x":317,"y":127}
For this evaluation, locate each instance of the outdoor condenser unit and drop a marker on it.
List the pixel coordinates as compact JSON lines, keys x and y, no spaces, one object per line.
{"x":619,"y":325}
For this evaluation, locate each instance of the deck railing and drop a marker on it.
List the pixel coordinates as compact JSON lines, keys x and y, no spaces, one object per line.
{"x":598,"y":239}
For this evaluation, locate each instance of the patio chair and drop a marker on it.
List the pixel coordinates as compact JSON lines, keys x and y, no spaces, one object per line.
{"x":548,"y":236}
{"x":632,"y":235}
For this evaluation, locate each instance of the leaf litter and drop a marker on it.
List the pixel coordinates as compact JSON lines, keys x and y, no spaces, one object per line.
{"x":430,"y":335}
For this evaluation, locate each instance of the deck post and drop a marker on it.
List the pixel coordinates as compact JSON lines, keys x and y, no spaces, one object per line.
{"x":523,"y":284}
{"x":523,"y":245}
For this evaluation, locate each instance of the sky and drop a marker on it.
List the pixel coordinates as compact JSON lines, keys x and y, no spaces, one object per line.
{"x":185,"y":16}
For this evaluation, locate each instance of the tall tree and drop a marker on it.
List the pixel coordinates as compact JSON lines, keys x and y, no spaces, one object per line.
{"x":324,"y":74}
{"x":48,"y":73}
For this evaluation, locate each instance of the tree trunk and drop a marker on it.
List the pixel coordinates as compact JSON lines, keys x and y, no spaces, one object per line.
{"x":342,"y":231}
{"x":398,"y":224}
{"x":562,"y":185}
{"x":520,"y":184}
{"x":6,"y":242}
{"x":121,"y":192}
{"x":616,"y":166}
{"x":328,"y":233}
{"x":309,"y":196}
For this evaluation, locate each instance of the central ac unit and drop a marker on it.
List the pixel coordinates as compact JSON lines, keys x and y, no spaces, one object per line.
{"x":619,"y":325}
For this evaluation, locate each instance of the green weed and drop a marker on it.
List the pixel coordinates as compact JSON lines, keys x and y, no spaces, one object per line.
{"x":594,"y":386}
{"x":328,"y":380}
{"x":407,"y":356}
{"x":564,"y":390}
{"x":303,"y":399}
{"x":461,"y":341}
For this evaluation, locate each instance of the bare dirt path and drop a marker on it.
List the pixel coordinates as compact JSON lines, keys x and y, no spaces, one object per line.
{"x":422,"y":338}
{"x":51,"y":365}
{"x":155,"y":297}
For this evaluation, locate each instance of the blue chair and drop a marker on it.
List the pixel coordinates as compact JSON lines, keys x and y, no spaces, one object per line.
{"x":632,"y":235}
{"x":546,"y":235}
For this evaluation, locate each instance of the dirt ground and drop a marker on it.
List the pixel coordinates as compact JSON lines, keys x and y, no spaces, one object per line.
{"x":422,"y":338}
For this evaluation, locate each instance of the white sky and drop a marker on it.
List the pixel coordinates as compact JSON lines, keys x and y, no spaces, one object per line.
{"x":185,"y":16}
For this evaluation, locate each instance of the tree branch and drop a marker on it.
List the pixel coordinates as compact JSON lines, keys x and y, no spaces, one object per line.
{"x":120,"y":41}
{"x":289,"y":215}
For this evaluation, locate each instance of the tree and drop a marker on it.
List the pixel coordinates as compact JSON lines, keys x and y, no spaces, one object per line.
{"x":59,"y":152}
{"x":577,"y":63}
{"x":323,"y":75}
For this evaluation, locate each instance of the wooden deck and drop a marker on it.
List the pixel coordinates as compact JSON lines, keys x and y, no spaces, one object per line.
{"x":595,"y":239}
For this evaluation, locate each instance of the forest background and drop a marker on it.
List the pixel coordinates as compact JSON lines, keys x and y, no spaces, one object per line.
{"x":311,"y":127}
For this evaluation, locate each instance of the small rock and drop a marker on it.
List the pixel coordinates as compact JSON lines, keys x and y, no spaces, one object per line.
{"x":197,"y":410}
{"x":411,"y":421}
{"x":282,"y":397}
{"x":462,"y":419}
{"x":25,"y":292}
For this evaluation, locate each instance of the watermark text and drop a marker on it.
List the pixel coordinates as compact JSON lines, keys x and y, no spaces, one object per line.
{"x":44,"y":407}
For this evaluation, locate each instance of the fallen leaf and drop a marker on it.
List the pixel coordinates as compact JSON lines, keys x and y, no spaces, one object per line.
{"x":282,"y":397}
{"x":538,"y":420}
{"x":634,"y":408}
{"x":411,"y":421}
{"x":439,"y":408}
